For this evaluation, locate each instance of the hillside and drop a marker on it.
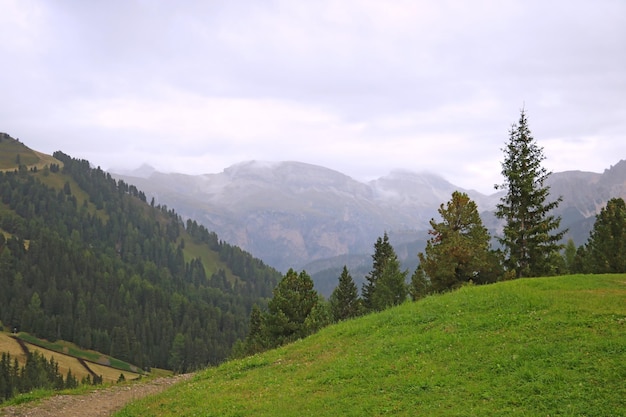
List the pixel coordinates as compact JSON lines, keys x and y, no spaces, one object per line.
{"x":540,"y":346}
{"x":10,"y":345}
{"x":14,"y":153}
{"x":86,"y":259}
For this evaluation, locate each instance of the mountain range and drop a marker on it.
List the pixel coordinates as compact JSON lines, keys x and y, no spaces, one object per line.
{"x":293,"y":214}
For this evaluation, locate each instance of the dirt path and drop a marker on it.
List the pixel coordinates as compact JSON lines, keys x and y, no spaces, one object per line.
{"x":98,"y":403}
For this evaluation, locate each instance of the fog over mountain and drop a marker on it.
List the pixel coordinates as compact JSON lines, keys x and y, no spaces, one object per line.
{"x":292,"y":214}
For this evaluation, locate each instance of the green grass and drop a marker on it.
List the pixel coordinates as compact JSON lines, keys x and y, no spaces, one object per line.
{"x":543,"y":346}
{"x":71,"y":350}
{"x":9,"y":149}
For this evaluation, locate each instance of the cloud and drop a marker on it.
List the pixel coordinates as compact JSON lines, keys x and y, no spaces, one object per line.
{"x":359,"y":86}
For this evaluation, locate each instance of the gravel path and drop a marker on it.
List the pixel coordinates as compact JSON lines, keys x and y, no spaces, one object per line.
{"x":98,"y":403}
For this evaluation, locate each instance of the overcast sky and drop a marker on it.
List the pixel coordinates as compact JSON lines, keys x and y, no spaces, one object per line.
{"x":362,"y":87}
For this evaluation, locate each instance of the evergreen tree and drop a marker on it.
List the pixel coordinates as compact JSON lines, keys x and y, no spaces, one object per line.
{"x":529,"y":236}
{"x":420,"y":285}
{"x":70,"y":380}
{"x":459,"y":249}
{"x":385,"y":285}
{"x":344,"y":301}
{"x":294,"y":299}
{"x":569,"y":256}
{"x":256,"y":341}
{"x":606,"y":246}
{"x":319,"y":317}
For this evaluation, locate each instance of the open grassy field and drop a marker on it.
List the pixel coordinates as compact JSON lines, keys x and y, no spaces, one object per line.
{"x":9,"y":345}
{"x":529,"y":347}
{"x":74,"y":351}
{"x":9,"y":151}
{"x":65,"y":361}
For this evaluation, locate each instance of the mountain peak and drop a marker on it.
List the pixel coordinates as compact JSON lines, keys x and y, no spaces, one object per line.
{"x":143,"y":171}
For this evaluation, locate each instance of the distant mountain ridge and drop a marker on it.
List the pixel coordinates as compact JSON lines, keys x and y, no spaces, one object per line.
{"x":291,"y":214}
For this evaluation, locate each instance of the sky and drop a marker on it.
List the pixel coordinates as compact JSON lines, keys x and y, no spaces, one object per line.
{"x":363,"y":87}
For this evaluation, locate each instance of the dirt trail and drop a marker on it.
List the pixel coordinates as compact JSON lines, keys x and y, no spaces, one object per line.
{"x":98,"y":403}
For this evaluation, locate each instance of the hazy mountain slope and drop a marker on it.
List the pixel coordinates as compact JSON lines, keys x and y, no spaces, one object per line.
{"x":291,"y":214}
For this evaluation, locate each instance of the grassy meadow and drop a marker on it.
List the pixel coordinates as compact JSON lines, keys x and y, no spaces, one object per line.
{"x":66,"y":355}
{"x":528,"y":347}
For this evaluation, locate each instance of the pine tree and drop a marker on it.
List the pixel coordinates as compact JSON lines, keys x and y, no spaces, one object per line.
{"x":459,"y":249}
{"x":606,"y":246}
{"x":569,"y":256}
{"x":256,"y":341}
{"x":294,"y":299}
{"x":344,"y":301}
{"x":385,"y":284}
{"x":529,"y":236}
{"x":420,"y":286}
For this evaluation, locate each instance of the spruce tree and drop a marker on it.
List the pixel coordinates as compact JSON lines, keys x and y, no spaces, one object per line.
{"x":420,"y":286}
{"x":529,"y":236}
{"x":606,"y":246}
{"x":344,"y":301}
{"x":256,"y":341}
{"x":385,"y":284}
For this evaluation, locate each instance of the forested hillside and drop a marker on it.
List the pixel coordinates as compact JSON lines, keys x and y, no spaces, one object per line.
{"x":85,"y":258}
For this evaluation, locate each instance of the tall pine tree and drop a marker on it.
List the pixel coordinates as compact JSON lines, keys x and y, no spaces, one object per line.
{"x":385,"y":284}
{"x":606,"y":246}
{"x":529,"y":236}
{"x":344,"y":301}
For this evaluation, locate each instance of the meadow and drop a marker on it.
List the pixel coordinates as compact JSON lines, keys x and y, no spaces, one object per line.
{"x":528,"y":347}
{"x":66,"y":355}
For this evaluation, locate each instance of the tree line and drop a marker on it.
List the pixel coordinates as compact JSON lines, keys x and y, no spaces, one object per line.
{"x":458,"y":252}
{"x":37,"y":373}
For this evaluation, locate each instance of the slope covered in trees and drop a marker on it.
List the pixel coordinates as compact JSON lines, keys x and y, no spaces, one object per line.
{"x":85,"y":258}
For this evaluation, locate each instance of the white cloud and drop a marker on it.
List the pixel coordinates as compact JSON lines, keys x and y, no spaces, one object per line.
{"x":359,"y":86}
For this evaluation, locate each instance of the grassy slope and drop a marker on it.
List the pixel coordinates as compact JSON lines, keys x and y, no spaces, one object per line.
{"x":10,"y":148}
{"x":545,"y":346}
{"x":65,"y":361}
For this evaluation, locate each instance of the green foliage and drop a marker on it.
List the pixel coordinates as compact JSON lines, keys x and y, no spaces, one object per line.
{"x":257,"y":339}
{"x":527,"y":347}
{"x":458,"y":250}
{"x":569,"y":256}
{"x":78,"y":353}
{"x":84,"y":258}
{"x":319,"y":317}
{"x":606,"y":246}
{"x":37,"y":373}
{"x":385,"y":285}
{"x":344,"y":301}
{"x":294,"y":300}
{"x":529,"y":238}
{"x":420,"y":286}
{"x":296,"y":311}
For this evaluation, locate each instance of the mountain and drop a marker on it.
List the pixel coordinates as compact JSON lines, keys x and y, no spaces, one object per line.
{"x":292,"y":214}
{"x":84,"y":258}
